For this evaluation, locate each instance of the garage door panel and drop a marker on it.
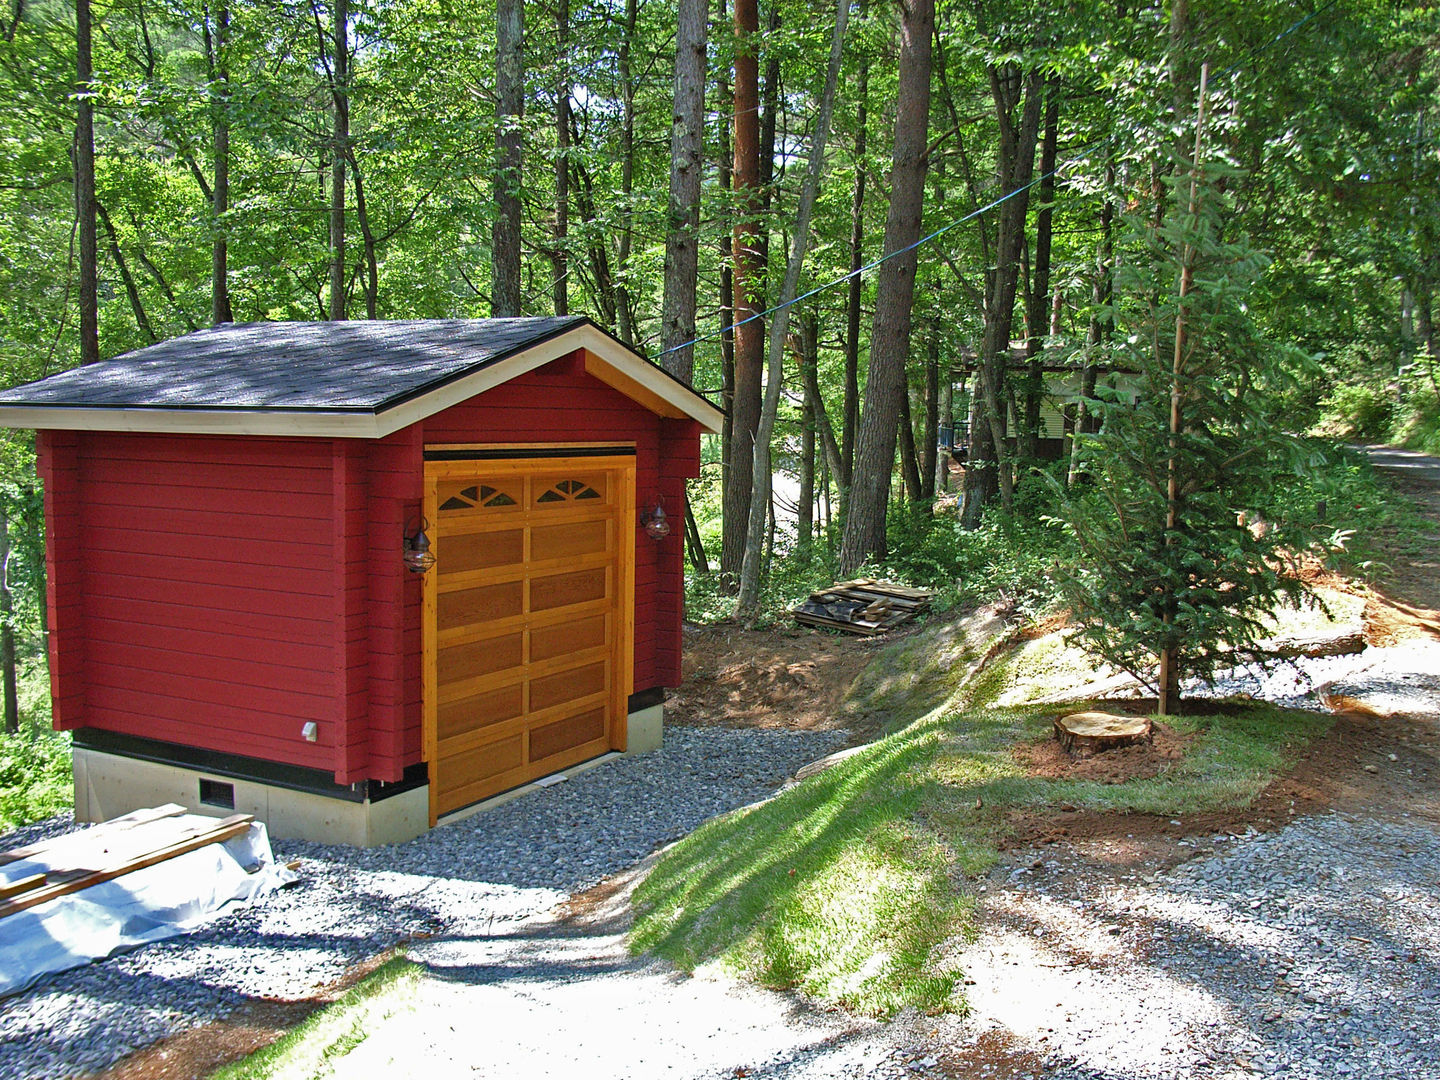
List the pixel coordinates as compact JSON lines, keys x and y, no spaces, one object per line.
{"x":465,"y":607}
{"x":564,"y":590}
{"x":459,"y":552}
{"x":471,"y":659}
{"x":476,"y":711}
{"x":567,"y":637}
{"x":569,"y":540}
{"x":565,"y":686}
{"x":561,"y":735}
{"x":570,"y":489}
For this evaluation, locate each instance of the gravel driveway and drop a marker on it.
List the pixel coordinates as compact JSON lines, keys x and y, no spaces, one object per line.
{"x":1309,"y":952}
{"x":483,"y":876}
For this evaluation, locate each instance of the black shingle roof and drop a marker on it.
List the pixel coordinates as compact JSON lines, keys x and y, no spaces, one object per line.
{"x":334,"y":366}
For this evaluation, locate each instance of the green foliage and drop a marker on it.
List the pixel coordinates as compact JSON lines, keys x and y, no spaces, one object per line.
{"x":35,"y":776}
{"x":1201,"y":584}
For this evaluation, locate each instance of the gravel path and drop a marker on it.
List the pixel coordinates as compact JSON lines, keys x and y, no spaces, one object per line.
{"x":483,"y":876}
{"x":1312,"y":952}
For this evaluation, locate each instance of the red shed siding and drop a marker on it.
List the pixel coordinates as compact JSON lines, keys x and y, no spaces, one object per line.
{"x":219,"y":592}
{"x":207,"y":591}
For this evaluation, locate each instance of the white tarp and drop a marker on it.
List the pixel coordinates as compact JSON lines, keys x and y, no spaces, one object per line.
{"x":152,"y":904}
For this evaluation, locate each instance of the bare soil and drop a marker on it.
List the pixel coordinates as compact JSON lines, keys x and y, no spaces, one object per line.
{"x":789,"y":677}
{"x":1048,"y":760}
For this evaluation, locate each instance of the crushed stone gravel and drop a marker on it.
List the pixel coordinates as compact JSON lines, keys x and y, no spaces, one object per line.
{"x":477,"y":876}
{"x":1309,"y":953}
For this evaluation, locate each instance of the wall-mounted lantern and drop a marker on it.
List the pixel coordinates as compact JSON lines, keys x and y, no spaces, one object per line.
{"x":417,"y":548}
{"x":657,"y":525}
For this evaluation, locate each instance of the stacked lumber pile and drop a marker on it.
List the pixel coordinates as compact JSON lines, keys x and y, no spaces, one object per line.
{"x":78,"y":860}
{"x":865,"y":606}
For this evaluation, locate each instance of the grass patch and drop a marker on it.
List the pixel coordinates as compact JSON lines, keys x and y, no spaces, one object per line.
{"x":314,"y":1047}
{"x":849,"y":885}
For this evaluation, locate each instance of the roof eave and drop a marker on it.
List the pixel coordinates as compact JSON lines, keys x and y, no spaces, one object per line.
{"x":606,"y":358}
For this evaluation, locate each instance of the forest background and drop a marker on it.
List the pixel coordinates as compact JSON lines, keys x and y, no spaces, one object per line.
{"x":991,"y":172}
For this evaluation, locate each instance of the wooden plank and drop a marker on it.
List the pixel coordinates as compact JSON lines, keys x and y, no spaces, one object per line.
{"x":227,"y":829}
{"x":24,"y":884}
{"x":126,"y":821}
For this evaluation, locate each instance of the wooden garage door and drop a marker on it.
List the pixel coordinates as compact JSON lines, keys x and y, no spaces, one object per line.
{"x":528,"y":619}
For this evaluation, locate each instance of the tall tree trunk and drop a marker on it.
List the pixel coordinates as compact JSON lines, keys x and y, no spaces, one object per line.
{"x":724,"y":109}
{"x":623,"y":302}
{"x":216,"y":48}
{"x":747,"y":283}
{"x":132,"y":291}
{"x":509,"y":111}
{"x":367,"y":238}
{"x":750,"y":573}
{"x":895,"y":292}
{"x":1037,"y":297}
{"x":1102,"y":324}
{"x":85,"y":190}
{"x":769,"y":116}
{"x":809,"y":334}
{"x":560,"y":258}
{"x":7,"y":631}
{"x":855,"y":289}
{"x":989,"y":470}
{"x":340,"y":95}
{"x":682,"y":239}
{"x":909,"y":459}
{"x":929,"y":448}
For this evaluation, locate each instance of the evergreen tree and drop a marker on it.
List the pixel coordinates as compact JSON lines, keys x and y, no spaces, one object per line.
{"x":1189,"y":567}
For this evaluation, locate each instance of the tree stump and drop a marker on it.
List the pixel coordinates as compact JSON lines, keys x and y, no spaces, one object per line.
{"x":1086,"y":733}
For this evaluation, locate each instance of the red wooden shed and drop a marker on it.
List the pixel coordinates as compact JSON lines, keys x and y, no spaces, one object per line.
{"x":232,"y":620}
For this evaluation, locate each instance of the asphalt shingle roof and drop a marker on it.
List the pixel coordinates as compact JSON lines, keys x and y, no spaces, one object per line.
{"x":363,"y":366}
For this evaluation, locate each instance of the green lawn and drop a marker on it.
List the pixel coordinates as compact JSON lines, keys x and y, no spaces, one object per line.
{"x":848,"y":885}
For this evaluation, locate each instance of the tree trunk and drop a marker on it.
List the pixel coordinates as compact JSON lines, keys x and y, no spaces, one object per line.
{"x":7,"y":631}
{"x":142,"y":321}
{"x":805,"y":510}
{"x":746,"y":283}
{"x":1037,"y":297}
{"x":367,"y":237}
{"x":85,"y":190}
{"x":560,"y":258}
{"x":1010,"y":88}
{"x":749,"y":597}
{"x":909,"y":459}
{"x":895,"y":292}
{"x":509,"y":112}
{"x":340,"y":95}
{"x":724,"y":109}
{"x":623,"y":302}
{"x":929,"y":447}
{"x":693,"y":542}
{"x":855,"y":288}
{"x":220,"y":310}
{"x":682,"y":240}
{"x":1102,"y":324}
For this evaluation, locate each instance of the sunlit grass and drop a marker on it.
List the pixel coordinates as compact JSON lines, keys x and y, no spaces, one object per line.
{"x":847,"y":886}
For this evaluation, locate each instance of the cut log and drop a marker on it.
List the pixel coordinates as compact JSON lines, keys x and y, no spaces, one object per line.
{"x":1332,"y":645}
{"x":1087,"y":733}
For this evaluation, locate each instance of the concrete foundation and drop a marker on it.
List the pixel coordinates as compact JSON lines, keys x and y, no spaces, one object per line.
{"x":108,"y":785}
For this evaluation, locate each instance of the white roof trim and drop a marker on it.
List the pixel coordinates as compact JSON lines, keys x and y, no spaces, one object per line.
{"x":364,"y":424}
